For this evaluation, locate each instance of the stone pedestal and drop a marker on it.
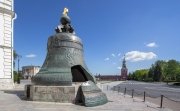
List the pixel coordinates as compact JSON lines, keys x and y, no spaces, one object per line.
{"x":62,"y":94}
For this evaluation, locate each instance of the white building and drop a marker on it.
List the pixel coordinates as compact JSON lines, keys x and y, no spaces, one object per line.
{"x":7,"y":16}
{"x":30,"y":71}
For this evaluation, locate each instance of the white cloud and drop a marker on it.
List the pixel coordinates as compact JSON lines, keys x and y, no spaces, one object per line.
{"x":106,"y":59}
{"x":30,"y":55}
{"x":139,"y":56}
{"x":119,"y":68}
{"x":152,"y":44}
{"x":119,"y":54}
{"x":113,"y":55}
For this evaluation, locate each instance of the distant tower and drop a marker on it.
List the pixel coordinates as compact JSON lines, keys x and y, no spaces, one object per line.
{"x":124,"y":70}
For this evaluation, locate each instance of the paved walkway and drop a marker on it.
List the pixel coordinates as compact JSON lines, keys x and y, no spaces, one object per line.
{"x":10,"y":101}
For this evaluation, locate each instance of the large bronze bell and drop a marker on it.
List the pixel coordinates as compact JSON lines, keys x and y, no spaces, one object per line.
{"x":64,"y":52}
{"x":63,"y":65}
{"x":64,"y":61}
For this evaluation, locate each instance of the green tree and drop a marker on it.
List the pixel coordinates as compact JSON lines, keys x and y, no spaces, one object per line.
{"x":15,"y":76}
{"x":151,"y":71}
{"x":15,"y":55}
{"x":141,"y":75}
{"x":172,"y":70}
{"x":157,"y":72}
{"x":163,"y":65}
{"x":130,"y":76}
{"x":178,"y":75}
{"x":177,"y":72}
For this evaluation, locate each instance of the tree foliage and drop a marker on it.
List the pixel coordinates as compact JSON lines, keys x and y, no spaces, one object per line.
{"x":15,"y":55}
{"x":139,"y":75}
{"x":159,"y":71}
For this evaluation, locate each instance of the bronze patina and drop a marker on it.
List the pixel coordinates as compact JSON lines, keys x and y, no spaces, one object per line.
{"x":64,"y":50}
{"x":64,"y":64}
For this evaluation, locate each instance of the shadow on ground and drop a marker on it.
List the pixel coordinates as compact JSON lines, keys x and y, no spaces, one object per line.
{"x":18,"y":93}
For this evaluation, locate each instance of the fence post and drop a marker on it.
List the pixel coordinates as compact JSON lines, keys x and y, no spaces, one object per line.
{"x":132,"y":93}
{"x":144,"y":96}
{"x":125,"y":91}
{"x":161,"y":101}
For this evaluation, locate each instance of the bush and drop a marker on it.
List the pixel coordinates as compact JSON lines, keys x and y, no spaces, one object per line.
{"x":15,"y":76}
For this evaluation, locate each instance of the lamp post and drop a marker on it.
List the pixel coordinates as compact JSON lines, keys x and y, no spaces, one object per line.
{"x":18,"y":78}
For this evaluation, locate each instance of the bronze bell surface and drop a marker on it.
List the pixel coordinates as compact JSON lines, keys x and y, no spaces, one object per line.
{"x":64,"y":64}
{"x":64,"y":61}
{"x":64,"y":50}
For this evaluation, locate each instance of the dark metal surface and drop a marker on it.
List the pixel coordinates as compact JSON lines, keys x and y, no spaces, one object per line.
{"x":65,"y":25}
{"x":92,"y":95}
{"x":65,"y":64}
{"x":64,"y":51}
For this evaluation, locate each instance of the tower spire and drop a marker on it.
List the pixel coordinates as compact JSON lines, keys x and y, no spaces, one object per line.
{"x":124,"y":62}
{"x":124,"y":69}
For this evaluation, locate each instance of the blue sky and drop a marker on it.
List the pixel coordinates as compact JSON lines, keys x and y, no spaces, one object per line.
{"x":143,"y":30}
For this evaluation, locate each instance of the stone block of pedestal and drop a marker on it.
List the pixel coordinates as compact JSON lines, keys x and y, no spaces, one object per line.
{"x":62,"y":94}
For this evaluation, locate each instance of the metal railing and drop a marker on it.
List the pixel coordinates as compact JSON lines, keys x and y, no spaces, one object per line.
{"x":144,"y":94}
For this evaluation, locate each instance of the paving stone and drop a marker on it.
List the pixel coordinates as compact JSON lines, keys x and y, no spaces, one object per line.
{"x":10,"y":101}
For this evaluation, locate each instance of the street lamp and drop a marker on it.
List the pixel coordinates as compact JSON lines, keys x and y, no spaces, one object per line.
{"x":18,"y":79}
